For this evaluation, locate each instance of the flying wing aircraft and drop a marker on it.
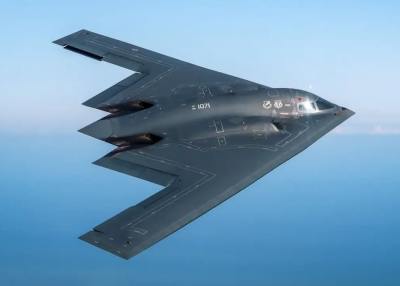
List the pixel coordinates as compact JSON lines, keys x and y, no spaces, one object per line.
{"x":202,"y":134}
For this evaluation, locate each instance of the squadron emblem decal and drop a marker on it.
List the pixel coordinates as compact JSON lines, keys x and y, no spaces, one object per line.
{"x":278,"y":104}
{"x":267,"y":104}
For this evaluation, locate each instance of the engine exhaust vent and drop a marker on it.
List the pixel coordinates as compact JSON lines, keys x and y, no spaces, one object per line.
{"x":133,"y":142}
{"x":126,"y":107}
{"x":277,"y":126}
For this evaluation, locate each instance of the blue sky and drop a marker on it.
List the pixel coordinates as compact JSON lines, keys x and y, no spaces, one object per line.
{"x":345,"y":52}
{"x":329,"y":216}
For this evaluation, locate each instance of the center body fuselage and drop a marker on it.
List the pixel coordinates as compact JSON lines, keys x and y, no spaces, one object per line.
{"x":175,"y":117}
{"x":264,"y":117}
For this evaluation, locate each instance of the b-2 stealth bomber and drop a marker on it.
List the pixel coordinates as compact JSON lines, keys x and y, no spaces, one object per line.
{"x":202,"y":134}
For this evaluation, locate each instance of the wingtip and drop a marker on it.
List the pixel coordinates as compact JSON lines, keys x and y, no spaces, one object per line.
{"x":96,"y":238}
{"x":62,"y":41}
{"x":58,"y":42}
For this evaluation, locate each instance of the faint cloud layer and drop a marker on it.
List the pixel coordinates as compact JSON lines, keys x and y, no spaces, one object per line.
{"x":371,"y":130}
{"x":378,"y":129}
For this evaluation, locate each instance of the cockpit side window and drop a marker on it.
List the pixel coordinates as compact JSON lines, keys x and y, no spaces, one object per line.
{"x":307,"y":107}
{"x":323,"y":104}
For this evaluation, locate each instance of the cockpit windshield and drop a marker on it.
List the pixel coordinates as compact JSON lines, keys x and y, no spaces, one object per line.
{"x":307,"y":107}
{"x":310,"y":106}
{"x":324,"y":104}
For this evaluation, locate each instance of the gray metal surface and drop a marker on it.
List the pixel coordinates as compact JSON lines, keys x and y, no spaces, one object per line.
{"x":201,"y":134}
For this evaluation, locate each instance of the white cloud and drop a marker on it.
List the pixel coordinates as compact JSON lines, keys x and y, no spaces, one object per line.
{"x":382,"y":130}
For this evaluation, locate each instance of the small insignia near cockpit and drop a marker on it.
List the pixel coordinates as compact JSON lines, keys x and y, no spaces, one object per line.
{"x":278,"y":104}
{"x":267,"y":104}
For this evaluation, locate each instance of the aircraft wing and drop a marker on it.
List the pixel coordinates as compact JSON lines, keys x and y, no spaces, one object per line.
{"x":196,"y":178}
{"x":198,"y":174}
{"x":155,"y":76}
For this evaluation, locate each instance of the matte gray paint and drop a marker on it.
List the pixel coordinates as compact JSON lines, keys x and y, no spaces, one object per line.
{"x":202,"y":134}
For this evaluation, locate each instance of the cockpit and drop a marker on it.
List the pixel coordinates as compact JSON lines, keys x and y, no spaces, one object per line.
{"x":307,"y":105}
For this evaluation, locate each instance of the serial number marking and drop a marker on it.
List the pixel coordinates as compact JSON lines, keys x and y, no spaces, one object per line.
{"x":201,"y":106}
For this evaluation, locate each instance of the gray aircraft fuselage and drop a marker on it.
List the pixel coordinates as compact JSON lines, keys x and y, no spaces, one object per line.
{"x":237,"y":116}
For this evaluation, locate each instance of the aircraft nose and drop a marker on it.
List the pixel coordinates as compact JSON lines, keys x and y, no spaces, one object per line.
{"x":345,"y":111}
{"x":101,"y":129}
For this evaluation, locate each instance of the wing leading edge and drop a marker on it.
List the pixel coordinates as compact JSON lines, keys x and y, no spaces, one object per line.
{"x":156,"y":75}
